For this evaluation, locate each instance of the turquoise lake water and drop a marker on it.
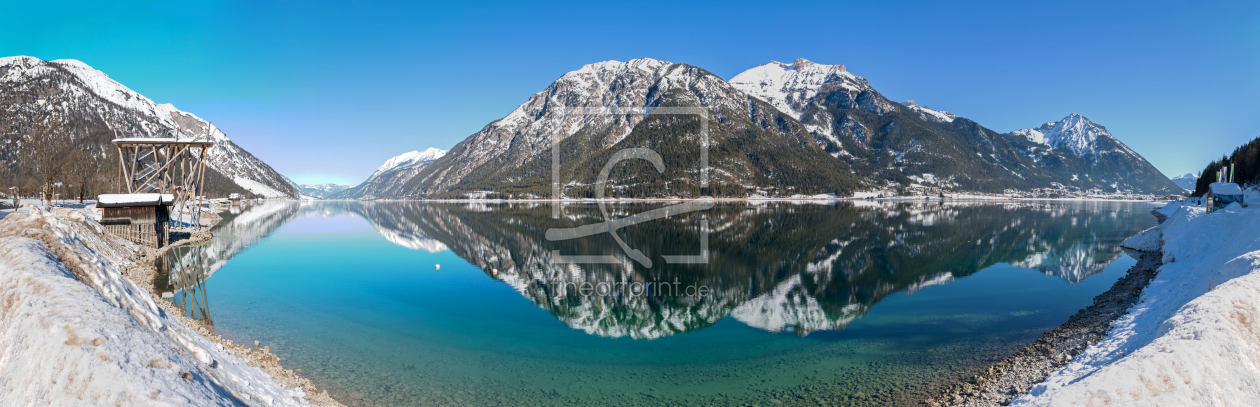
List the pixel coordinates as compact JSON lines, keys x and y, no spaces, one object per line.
{"x":838,"y":304}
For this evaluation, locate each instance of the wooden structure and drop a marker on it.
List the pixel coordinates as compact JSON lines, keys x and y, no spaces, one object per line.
{"x":1221,"y":194}
{"x":165,"y":166}
{"x":139,"y":218}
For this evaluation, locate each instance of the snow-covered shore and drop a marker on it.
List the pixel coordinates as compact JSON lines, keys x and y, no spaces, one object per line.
{"x":75,"y":331}
{"x":1194,"y":336}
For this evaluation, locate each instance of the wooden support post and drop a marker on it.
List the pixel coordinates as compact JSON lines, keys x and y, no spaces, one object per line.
{"x":121,"y":165}
{"x":135,"y":155}
{"x":201,"y":183}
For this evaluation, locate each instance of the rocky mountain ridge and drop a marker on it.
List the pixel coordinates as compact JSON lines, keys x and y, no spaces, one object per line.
{"x":753,"y":148}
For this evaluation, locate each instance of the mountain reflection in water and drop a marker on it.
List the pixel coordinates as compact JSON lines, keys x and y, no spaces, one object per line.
{"x":798,"y":267}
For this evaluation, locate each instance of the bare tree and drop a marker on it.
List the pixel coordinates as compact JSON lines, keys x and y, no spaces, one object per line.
{"x":47,"y":150}
{"x":82,"y":172}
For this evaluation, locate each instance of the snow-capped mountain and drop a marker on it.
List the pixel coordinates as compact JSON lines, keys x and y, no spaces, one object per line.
{"x":1074,"y":133}
{"x":789,"y":87}
{"x":1186,"y":181}
{"x":389,"y":179}
{"x":322,"y":190}
{"x":100,"y":109}
{"x":1093,"y":158}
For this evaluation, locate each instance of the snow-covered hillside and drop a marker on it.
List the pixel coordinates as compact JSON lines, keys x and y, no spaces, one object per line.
{"x":411,"y":158}
{"x":390,"y":178}
{"x":70,"y":91}
{"x":790,"y":86}
{"x":924,"y":112}
{"x":1192,"y":338}
{"x":76,"y":331}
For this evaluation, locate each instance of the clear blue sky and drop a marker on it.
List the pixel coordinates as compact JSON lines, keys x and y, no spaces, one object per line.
{"x":326,"y":92}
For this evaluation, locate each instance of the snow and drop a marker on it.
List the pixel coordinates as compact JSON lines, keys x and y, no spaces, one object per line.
{"x":1192,"y":339}
{"x":782,"y":84}
{"x":929,"y":114}
{"x":138,"y":199}
{"x":1186,"y":181}
{"x":1074,"y":133}
{"x":156,"y":140}
{"x":647,"y":65}
{"x":259,"y":188}
{"x":1225,"y":188}
{"x":326,"y":187}
{"x":107,"y":88}
{"x":99,"y":338}
{"x":411,"y":158}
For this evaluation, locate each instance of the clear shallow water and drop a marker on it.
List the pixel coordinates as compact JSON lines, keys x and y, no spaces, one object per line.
{"x":840,"y":303}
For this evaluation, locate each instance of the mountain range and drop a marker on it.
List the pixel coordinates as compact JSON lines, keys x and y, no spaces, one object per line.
{"x":97,"y":109}
{"x":774,"y":130}
{"x":323,"y":190}
{"x":1186,"y":181}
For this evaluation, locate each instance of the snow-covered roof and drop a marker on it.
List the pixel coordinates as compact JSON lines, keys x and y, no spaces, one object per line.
{"x":1225,"y":188}
{"x":159,"y":140}
{"x":120,"y":200}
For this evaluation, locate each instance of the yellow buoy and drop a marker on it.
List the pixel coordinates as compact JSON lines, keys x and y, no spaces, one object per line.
{"x":495,"y":271}
{"x":437,"y":266}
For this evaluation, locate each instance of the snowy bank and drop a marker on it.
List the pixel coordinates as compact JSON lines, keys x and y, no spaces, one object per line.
{"x":1194,"y":336}
{"x":74,"y":331}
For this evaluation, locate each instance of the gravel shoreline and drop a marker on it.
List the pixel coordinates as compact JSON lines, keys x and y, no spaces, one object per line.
{"x":1016,"y":374}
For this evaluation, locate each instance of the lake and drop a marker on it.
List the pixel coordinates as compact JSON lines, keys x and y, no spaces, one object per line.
{"x":747,"y":303}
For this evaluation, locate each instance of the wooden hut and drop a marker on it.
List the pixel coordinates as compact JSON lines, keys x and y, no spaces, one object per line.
{"x":1221,"y":194}
{"x":140,"y":218}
